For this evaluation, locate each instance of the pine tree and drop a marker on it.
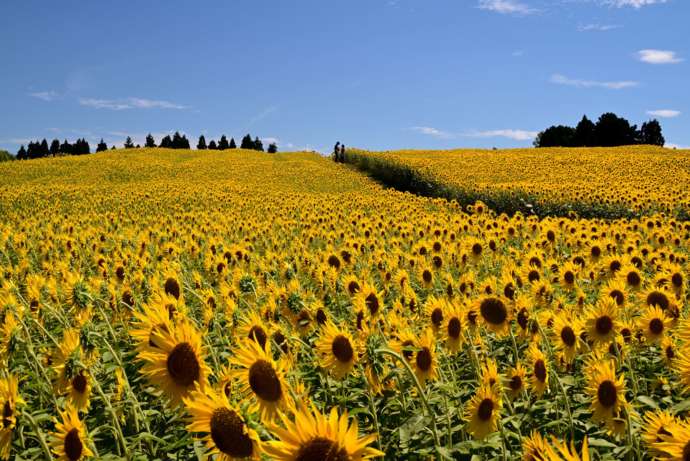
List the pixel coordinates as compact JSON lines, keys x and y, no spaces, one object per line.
{"x":45,"y":150}
{"x":232,"y":143}
{"x":166,"y":142}
{"x":150,"y":142}
{"x":212,"y":145}
{"x":247,"y":143}
{"x":102,"y":146}
{"x":650,"y":133}
{"x":21,"y":153}
{"x":176,"y":141}
{"x":584,"y":133}
{"x":128,"y":143}
{"x":54,"y":147}
{"x":258,"y":145}
{"x":272,"y":148}
{"x":223,"y":143}
{"x":184,"y":142}
{"x":201,"y":145}
{"x":66,"y":148}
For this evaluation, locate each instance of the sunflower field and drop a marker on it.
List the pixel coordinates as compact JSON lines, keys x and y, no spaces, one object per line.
{"x":612,"y":182}
{"x":178,"y":305}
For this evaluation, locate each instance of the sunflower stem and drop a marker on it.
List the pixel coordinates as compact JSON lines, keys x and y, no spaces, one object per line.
{"x":39,"y":435}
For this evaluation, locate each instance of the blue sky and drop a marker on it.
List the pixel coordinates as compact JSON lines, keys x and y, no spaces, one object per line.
{"x":378,"y":74}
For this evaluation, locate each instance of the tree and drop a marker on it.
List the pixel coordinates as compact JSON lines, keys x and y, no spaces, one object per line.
{"x":555,"y":136}
{"x":66,"y":148}
{"x":584,"y":133}
{"x":102,"y":146}
{"x":650,"y":133}
{"x":21,"y":153}
{"x":128,"y":143}
{"x":212,"y":145}
{"x":166,"y":142}
{"x":150,"y":142}
{"x":612,"y":130}
{"x":201,"y":145}
{"x":6,"y":156}
{"x":247,"y":143}
{"x":184,"y":143}
{"x":272,"y":148}
{"x":54,"y":147}
{"x":223,"y":143}
{"x":45,"y":150}
{"x":258,"y":145}
{"x":232,"y":143}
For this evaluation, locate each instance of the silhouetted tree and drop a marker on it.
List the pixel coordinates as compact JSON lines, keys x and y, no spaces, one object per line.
{"x":66,"y":148}
{"x":272,"y":148}
{"x":584,"y":133}
{"x":113,"y":147}
{"x":54,"y":147}
{"x":247,"y":143}
{"x":223,"y":143}
{"x":184,"y":142}
{"x":555,"y":136}
{"x":128,"y":143}
{"x":201,"y":145}
{"x":166,"y":142}
{"x":21,"y":153}
{"x":232,"y":144}
{"x":258,"y":145}
{"x":45,"y":150}
{"x":102,"y":146}
{"x":612,"y":130}
{"x":650,"y":133}
{"x":212,"y":145}
{"x":150,"y":142}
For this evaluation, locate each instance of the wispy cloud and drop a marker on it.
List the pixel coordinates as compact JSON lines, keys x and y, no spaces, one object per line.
{"x":633,"y":3}
{"x":45,"y":95}
{"x":664,"y":113}
{"x":128,"y":103}
{"x":616,"y":85}
{"x":597,"y":27}
{"x":658,"y":56}
{"x":506,"y":7}
{"x":263,"y":114}
{"x":517,"y":135}
{"x":431,"y":131}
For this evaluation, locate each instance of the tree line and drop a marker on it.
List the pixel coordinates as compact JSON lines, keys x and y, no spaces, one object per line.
{"x":609,"y":130}
{"x":40,"y":149}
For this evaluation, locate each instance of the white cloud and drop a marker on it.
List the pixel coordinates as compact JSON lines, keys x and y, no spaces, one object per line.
{"x":597,"y":27}
{"x":664,"y":113}
{"x":658,"y":57}
{"x":618,"y":85}
{"x":517,"y":135}
{"x":45,"y":95}
{"x":506,"y":7}
{"x":430,"y":131}
{"x":634,"y":3}
{"x":128,"y":103}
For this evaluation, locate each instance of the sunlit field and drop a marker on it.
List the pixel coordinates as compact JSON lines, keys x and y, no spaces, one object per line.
{"x":173,"y":304}
{"x":628,"y":181}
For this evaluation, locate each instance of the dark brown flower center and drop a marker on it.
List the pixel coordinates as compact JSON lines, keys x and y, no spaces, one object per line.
{"x":258,"y":334}
{"x":485,"y":410}
{"x":454,"y":328}
{"x":172,"y":288}
{"x":7,"y":413}
{"x":372,"y":302}
{"x":604,"y":325}
{"x":569,"y":277}
{"x":407,"y":353}
{"x":437,"y":317}
{"x":73,"y":445}
{"x":342,"y":349}
{"x":516,"y":383}
{"x":228,"y":433}
{"x":493,"y":311}
{"x":568,"y":336}
{"x":321,"y":449}
{"x":657,"y":298}
{"x":426,"y":276}
{"x":264,"y":381}
{"x":656,"y":326}
{"x":540,"y":370}
{"x":183,"y":365}
{"x":607,"y":394}
{"x":334,"y":261}
{"x":79,"y":383}
{"x":423,"y":359}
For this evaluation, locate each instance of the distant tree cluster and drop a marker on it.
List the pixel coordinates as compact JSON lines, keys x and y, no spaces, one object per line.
{"x":40,"y":149}
{"x":610,"y":130}
{"x":6,"y":156}
{"x":176,"y":141}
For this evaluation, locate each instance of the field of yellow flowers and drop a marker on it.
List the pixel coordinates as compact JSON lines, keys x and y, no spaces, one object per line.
{"x":174,"y":305}
{"x":613,"y":182}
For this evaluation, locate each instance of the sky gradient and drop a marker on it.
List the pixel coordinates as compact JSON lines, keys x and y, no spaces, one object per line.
{"x":376,"y":74}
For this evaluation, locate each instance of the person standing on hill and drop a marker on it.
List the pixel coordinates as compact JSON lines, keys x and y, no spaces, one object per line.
{"x":342,"y":153}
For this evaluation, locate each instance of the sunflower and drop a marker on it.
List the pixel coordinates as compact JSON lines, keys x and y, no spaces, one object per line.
{"x":489,"y":373}
{"x":171,"y":285}
{"x":425,"y":276}
{"x":601,"y":320}
{"x":657,"y":425}
{"x":176,"y":363}
{"x":425,"y":367}
{"x":252,"y":326}
{"x":155,"y":319}
{"x":79,"y":390}
{"x":567,"y":330}
{"x":337,"y":349}
{"x":69,"y":441}
{"x":616,"y":289}
{"x":435,"y":309}
{"x":483,"y":411}
{"x":226,"y":433}
{"x":653,"y":323}
{"x":65,"y":358}
{"x":313,"y":436}
{"x":534,"y":447}
{"x":261,"y":377}
{"x":515,"y":382}
{"x":569,"y":275}
{"x":560,"y":451}
{"x":676,"y":444}
{"x":659,"y":297}
{"x":10,"y":400}
{"x":454,"y":328}
{"x":539,"y":376}
{"x":607,"y":392}
{"x":495,"y":313}
{"x":369,"y":300}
